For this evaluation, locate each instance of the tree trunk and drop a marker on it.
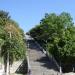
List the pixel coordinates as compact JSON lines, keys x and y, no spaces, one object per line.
{"x":7,"y":66}
{"x":60,"y":70}
{"x":1,"y":59}
{"x":73,"y":69}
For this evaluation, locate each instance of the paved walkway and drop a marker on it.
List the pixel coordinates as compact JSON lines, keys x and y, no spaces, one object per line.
{"x":1,"y":70}
{"x":39,"y":62}
{"x":71,"y":73}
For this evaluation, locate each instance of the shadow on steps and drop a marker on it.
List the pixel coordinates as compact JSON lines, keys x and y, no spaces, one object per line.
{"x":23,"y":68}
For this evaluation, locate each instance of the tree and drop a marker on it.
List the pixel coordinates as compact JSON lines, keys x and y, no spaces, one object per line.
{"x":56,"y":33}
{"x":13,"y":47}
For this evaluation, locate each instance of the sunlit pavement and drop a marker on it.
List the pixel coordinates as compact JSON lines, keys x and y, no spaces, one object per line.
{"x":71,"y":73}
{"x":2,"y":70}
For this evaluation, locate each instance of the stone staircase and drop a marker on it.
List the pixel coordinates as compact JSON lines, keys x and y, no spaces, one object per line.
{"x":39,"y":62}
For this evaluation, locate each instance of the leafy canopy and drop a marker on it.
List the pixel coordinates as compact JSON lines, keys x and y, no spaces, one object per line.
{"x":56,"y":33}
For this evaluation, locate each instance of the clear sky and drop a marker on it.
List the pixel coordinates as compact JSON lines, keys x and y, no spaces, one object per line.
{"x":28,"y":13}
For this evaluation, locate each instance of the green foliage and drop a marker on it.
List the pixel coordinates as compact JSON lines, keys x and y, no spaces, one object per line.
{"x":11,"y":36}
{"x":56,"y":33}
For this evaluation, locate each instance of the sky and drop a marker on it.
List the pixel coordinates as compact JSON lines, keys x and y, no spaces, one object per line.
{"x":28,"y":13}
